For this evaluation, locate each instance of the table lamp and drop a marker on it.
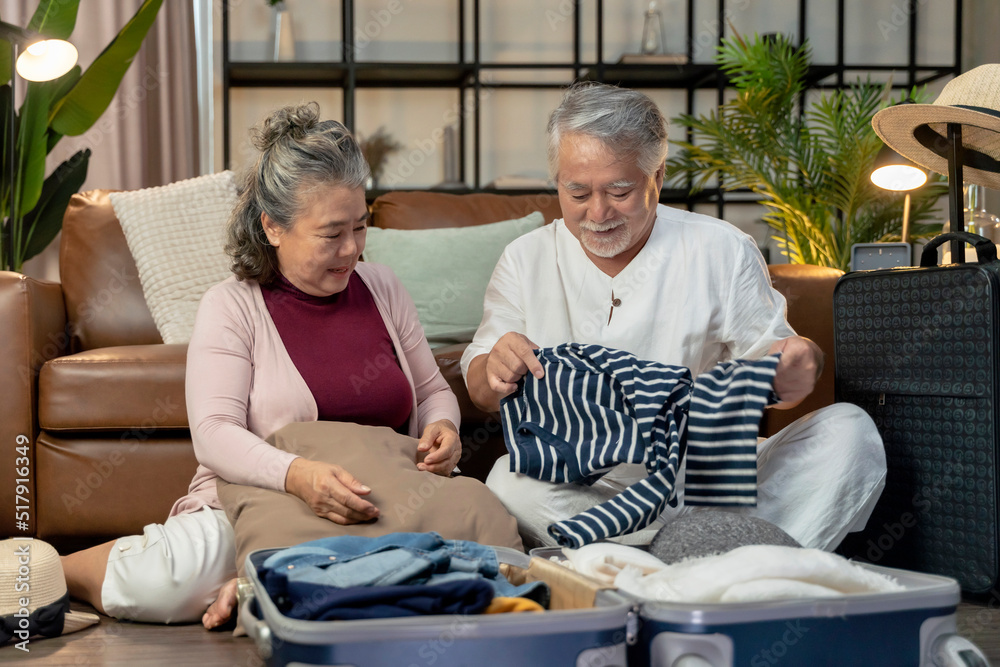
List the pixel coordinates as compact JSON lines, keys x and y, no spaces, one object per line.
{"x":894,"y":172}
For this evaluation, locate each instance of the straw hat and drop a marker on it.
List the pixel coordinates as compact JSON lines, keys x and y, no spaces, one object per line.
{"x":920,"y":131}
{"x":33,"y":596}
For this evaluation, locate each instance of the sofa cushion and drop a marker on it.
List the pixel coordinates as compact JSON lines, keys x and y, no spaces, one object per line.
{"x":429,"y":210}
{"x":446,"y":270}
{"x":104,"y":301}
{"x":101,"y":486}
{"x":177,"y":235}
{"x":138,"y":388}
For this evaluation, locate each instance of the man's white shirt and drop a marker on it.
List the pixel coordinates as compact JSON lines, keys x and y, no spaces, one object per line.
{"x":697,"y":293}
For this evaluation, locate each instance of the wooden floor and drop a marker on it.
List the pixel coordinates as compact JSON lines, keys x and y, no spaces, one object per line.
{"x":132,"y":644}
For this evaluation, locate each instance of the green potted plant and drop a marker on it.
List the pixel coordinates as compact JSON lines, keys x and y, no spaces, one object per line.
{"x":810,"y":168}
{"x":67,"y":106}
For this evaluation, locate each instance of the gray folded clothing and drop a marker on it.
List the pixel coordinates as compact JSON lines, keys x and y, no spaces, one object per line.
{"x":708,"y":533}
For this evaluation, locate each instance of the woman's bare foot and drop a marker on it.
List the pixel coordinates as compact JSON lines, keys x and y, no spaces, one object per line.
{"x":223,"y":608}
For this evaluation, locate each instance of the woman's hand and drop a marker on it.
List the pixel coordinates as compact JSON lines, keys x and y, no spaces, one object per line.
{"x":444,"y":448}
{"x":329,"y":491}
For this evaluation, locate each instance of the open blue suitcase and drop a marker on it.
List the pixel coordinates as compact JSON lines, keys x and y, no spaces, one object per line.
{"x":912,"y":628}
{"x":591,"y":637}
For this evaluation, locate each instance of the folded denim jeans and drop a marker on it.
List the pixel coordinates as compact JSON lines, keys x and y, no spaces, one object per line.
{"x":302,"y":572}
{"x":471,"y":596}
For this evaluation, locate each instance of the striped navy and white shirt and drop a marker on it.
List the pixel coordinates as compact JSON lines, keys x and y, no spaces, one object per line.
{"x":597,"y":407}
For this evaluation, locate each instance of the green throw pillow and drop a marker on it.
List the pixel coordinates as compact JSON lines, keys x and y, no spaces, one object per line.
{"x":446,"y":270}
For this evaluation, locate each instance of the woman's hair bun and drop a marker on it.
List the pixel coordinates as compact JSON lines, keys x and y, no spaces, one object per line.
{"x":294,"y":121}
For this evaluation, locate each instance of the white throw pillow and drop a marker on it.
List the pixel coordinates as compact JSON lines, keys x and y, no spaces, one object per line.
{"x":446,"y":270}
{"x":177,"y":233}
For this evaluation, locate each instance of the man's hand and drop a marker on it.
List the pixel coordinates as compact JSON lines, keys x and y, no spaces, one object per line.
{"x":799,"y":368}
{"x":492,"y":376}
{"x":330,"y":491}
{"x":510,"y":360}
{"x":443,"y":446}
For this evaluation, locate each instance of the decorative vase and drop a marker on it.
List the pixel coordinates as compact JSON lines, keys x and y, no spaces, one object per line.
{"x":282,"y":39}
{"x":652,"y":32}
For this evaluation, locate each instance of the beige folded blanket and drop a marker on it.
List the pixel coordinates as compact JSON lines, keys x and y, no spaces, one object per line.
{"x":409,"y":500}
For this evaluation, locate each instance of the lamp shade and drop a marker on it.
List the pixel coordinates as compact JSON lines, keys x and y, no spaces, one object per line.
{"x":46,"y":60}
{"x":892,"y":171}
{"x":41,"y":59}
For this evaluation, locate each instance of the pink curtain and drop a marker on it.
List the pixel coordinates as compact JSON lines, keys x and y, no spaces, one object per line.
{"x":149,"y":134}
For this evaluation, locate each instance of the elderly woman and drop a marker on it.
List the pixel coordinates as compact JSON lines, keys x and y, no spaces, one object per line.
{"x":282,"y":341}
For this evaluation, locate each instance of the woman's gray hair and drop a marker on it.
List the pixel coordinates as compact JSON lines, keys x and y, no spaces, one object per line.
{"x":298,"y":153}
{"x":626,"y":121}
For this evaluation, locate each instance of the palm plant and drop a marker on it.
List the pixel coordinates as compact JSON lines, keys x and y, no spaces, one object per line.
{"x":811,"y":169}
{"x":67,"y":106}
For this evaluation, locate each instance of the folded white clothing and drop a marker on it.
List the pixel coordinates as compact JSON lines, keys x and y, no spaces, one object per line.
{"x":776,"y":589}
{"x":745,"y":574}
{"x":604,"y":561}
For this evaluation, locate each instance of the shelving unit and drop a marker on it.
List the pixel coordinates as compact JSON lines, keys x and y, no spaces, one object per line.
{"x":469,"y":74}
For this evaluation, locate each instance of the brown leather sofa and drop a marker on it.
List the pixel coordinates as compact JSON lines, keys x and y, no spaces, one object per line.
{"x":94,"y":401}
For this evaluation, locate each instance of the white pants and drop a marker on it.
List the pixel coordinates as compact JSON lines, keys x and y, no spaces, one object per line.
{"x":818,"y":479}
{"x":173,"y":571}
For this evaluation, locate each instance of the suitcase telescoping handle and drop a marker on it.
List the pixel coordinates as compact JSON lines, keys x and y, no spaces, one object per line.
{"x":986,"y":251}
{"x":256,"y":628}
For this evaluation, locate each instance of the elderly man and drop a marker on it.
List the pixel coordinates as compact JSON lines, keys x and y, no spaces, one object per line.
{"x":621,"y":271}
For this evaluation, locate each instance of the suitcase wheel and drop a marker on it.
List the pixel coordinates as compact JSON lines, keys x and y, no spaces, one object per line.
{"x":951,"y":650}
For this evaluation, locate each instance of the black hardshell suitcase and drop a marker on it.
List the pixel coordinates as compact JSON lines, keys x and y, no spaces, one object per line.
{"x":918,"y":349}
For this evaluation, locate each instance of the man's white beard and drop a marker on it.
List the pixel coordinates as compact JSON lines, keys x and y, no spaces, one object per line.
{"x":610,"y":246}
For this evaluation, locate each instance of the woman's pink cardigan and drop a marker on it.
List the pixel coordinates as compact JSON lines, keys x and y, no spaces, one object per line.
{"x":241,"y":385}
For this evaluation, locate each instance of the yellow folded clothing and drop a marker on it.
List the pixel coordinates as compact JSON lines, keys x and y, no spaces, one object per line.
{"x":502,"y":605}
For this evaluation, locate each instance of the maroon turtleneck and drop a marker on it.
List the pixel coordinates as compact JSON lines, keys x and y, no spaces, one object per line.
{"x":340,"y":346}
